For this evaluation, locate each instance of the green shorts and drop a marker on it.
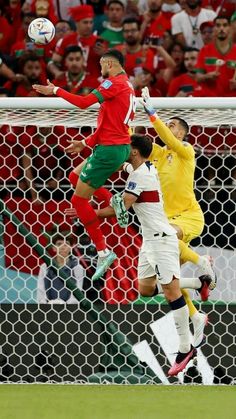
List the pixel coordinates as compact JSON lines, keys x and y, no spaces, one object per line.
{"x":105,"y":160}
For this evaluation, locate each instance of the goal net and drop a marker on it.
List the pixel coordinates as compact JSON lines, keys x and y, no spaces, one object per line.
{"x":58,"y":325}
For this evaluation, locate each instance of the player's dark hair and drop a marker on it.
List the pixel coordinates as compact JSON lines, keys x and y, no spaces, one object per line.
{"x":182,"y":123}
{"x":142,"y":143}
{"x":117,"y":55}
{"x":131,"y":19}
{"x":73,"y":48}
{"x":115,"y":2}
{"x":222,"y":17}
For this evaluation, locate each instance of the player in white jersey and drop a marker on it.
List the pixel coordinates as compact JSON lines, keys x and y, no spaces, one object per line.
{"x":159,"y":255}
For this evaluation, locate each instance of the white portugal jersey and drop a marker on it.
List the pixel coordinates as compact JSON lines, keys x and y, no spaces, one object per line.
{"x":144,"y":183}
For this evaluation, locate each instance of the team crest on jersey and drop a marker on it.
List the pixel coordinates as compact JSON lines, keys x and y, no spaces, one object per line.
{"x":106,"y":84}
{"x":131,"y":186}
{"x":169,"y":158}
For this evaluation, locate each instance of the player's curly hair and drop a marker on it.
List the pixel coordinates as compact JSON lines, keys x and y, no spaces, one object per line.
{"x":142,"y":143}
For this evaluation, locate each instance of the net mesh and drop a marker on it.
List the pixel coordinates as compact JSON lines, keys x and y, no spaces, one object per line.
{"x":105,"y":333}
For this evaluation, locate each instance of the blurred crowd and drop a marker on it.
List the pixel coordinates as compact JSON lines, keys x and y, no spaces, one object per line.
{"x":175,"y":47}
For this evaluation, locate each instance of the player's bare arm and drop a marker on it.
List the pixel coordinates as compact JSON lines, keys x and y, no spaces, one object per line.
{"x":44,"y":90}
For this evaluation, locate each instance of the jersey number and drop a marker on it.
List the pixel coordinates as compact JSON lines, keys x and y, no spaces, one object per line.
{"x":132,"y":108}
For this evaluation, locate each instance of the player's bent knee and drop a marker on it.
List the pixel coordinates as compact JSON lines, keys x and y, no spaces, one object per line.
{"x":147,"y":291}
{"x":172,"y":290}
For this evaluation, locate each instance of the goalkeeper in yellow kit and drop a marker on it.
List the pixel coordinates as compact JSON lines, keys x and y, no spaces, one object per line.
{"x":175,"y":164}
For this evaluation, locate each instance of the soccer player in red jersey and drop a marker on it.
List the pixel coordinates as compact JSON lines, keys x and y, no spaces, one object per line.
{"x":216,"y":66}
{"x":185,"y":84}
{"x":112,"y":140}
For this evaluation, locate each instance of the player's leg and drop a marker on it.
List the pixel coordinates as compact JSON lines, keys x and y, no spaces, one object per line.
{"x":101,"y":194}
{"x":187,"y":230}
{"x":147,"y":287}
{"x":189,"y":225}
{"x":93,"y":174}
{"x":160,"y":258}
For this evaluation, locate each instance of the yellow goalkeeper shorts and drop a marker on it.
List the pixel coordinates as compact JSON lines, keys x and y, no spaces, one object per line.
{"x":190,"y":222}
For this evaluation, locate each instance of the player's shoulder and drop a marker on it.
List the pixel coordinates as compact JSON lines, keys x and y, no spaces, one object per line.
{"x":146,"y":168}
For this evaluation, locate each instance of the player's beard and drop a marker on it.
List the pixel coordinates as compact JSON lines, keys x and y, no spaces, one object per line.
{"x":105,"y":75}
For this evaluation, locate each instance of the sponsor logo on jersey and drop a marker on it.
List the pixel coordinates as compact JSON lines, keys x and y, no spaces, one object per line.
{"x":106,"y":84}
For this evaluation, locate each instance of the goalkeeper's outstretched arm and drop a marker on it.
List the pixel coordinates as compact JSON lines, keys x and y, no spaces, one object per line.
{"x":82,"y":102}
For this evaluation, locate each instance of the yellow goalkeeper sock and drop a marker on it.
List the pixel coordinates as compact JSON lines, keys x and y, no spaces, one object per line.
{"x":186,"y":254}
{"x":192,"y":309}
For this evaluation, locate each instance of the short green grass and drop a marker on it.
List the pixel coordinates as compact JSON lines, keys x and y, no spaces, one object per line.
{"x":116,"y":402}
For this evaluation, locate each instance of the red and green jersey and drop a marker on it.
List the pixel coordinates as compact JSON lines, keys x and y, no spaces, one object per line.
{"x":211,"y":59}
{"x":116,"y":95}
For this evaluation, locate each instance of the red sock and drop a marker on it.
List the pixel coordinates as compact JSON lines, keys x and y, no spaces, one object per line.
{"x":103,"y":196}
{"x":73,"y":178}
{"x":88,"y":217}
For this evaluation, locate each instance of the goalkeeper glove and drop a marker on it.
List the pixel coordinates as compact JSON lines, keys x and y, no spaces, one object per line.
{"x":146,"y":102}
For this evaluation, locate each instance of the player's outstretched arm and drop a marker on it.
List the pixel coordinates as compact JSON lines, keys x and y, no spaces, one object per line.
{"x":82,"y":102}
{"x":163,"y":131}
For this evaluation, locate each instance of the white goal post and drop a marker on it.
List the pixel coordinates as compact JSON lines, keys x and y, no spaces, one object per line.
{"x":73,"y":342}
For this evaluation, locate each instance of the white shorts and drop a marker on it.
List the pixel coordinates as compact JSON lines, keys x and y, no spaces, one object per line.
{"x":159,"y":257}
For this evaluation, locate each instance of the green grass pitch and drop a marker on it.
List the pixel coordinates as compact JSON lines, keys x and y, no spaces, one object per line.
{"x":116,"y":402}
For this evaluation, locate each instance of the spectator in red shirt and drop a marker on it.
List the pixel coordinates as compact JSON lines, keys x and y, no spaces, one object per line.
{"x":138,"y":55}
{"x":30,"y":67}
{"x":216,"y":66}
{"x":44,"y":8}
{"x":75,"y":79}
{"x":83,"y":37}
{"x":146,"y":77}
{"x":185,"y":84}
{"x":155,"y":21}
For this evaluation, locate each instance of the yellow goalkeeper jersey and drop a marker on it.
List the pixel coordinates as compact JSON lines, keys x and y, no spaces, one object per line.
{"x":176,"y":165}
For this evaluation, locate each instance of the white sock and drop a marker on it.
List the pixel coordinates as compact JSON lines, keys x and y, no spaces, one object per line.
{"x":181,"y":318}
{"x":193,"y":283}
{"x":103,"y":253}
